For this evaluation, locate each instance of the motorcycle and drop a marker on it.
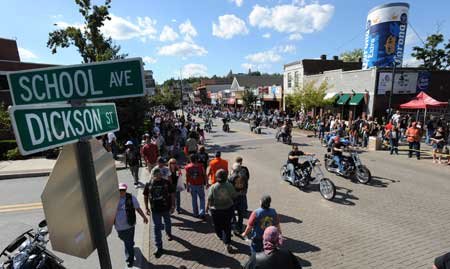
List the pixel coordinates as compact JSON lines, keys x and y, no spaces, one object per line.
{"x":208,"y":126}
{"x":311,"y":174}
{"x":226,"y":126}
{"x":286,"y":138}
{"x":28,"y":251}
{"x":353,"y":167}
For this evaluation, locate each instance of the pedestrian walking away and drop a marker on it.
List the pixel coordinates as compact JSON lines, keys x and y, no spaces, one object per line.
{"x":239,"y":179}
{"x":150,"y":153}
{"x":215,"y":165}
{"x":133,"y":160}
{"x":259,"y":220}
{"x":220,"y":199}
{"x":126,"y":220}
{"x":161,"y":196}
{"x":175,"y":175}
{"x":196,"y":181}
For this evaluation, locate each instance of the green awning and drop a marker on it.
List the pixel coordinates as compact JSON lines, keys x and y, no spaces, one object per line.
{"x":343,"y":99}
{"x":356,"y":99}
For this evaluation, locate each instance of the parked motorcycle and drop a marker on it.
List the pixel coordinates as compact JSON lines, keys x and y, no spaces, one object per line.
{"x":353,"y":167}
{"x":28,"y":251}
{"x":311,"y":174}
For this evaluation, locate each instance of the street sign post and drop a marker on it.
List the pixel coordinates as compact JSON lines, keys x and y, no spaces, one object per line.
{"x":68,"y":225}
{"x":95,"y":81}
{"x":39,"y":128}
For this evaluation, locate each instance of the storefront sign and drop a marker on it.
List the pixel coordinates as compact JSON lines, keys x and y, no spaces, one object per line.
{"x":404,"y":83}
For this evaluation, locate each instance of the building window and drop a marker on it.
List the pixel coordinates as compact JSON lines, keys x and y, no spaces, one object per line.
{"x":3,"y":83}
{"x":296,"y":79}
{"x":289,"y":80}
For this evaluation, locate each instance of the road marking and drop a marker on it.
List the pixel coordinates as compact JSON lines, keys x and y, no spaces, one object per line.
{"x":20,"y":207}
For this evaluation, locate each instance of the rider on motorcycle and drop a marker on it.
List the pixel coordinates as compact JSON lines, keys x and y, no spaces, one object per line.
{"x":337,"y":149}
{"x":293,"y":157}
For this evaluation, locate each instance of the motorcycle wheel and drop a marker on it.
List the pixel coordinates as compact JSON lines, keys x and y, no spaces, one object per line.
{"x":327,"y":189}
{"x":363,"y":174}
{"x":327,"y":163}
{"x":283,"y":172}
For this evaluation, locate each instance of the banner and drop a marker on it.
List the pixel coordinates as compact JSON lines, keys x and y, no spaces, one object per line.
{"x":405,"y":83}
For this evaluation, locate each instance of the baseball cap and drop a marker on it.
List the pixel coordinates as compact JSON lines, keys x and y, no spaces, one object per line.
{"x":161,"y":160}
{"x":129,"y":142}
{"x":123,"y":186}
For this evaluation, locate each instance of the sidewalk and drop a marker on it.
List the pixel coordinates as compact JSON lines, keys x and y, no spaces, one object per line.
{"x":35,"y":167}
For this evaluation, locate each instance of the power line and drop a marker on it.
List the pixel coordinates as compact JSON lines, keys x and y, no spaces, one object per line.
{"x":415,"y":32}
{"x":347,"y":42}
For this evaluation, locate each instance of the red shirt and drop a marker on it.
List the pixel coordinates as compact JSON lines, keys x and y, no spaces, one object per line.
{"x":150,"y":153}
{"x":195,"y":174}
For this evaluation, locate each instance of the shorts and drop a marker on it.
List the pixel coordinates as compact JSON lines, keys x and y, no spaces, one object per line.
{"x":438,"y":147}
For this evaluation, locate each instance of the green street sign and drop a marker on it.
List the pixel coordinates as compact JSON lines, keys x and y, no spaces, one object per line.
{"x":38,"y":128}
{"x":95,"y":81}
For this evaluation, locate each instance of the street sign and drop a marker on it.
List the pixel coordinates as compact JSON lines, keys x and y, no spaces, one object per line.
{"x":95,"y":81}
{"x":38,"y":128}
{"x":64,"y":206}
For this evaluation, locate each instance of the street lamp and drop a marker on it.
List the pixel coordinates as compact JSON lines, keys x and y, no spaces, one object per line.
{"x":392,"y":87}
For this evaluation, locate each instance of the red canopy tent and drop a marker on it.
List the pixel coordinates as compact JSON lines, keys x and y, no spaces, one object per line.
{"x":423,"y":101}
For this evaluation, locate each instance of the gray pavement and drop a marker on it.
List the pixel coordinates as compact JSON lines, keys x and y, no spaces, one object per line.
{"x":400,"y":220}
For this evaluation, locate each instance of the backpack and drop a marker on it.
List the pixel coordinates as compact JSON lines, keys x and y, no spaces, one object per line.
{"x":130,"y":210}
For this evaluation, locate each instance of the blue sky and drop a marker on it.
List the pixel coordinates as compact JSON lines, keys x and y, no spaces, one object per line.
{"x":207,"y":37}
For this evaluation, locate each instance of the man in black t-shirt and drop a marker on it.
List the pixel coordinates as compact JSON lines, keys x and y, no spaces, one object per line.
{"x":161,"y":195}
{"x":337,"y":149}
{"x":293,"y":157}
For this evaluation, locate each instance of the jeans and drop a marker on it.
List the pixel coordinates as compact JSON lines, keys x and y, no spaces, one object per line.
{"x":256,"y":245}
{"x":222,"y":223}
{"x":127,"y":236}
{"x":394,"y":145}
{"x":114,"y":150}
{"x":157,"y":218}
{"x":135,"y":172}
{"x":198,"y":191}
{"x":429,"y":134}
{"x":414,"y":146}
{"x":365,"y":140}
{"x":178,"y":201}
{"x":239,"y":207}
{"x":337,"y":160}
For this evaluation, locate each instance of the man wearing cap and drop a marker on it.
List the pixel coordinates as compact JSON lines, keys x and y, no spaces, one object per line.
{"x":215,"y":165}
{"x":164,"y":170}
{"x":221,"y":200}
{"x":161,"y":195}
{"x":150,"y":152}
{"x":133,"y":160}
{"x":126,"y":220}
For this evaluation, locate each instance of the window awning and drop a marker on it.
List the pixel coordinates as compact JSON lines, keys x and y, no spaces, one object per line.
{"x":356,"y":99}
{"x":330,"y":95}
{"x":343,"y":99}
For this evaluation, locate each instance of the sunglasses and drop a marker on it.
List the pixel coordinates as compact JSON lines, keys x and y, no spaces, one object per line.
{"x":122,"y":190}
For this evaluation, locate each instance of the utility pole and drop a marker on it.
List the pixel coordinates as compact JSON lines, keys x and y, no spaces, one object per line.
{"x":181,"y":95}
{"x":392,"y":88}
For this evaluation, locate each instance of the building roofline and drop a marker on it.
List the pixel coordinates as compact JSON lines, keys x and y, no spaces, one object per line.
{"x":8,"y":39}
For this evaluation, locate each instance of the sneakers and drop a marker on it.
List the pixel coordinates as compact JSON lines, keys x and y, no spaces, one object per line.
{"x":228,"y":248}
{"x":169,"y":237}
{"x":158,"y":253}
{"x":130,"y":264}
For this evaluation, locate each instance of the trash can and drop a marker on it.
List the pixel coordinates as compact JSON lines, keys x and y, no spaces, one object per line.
{"x":374,"y":143}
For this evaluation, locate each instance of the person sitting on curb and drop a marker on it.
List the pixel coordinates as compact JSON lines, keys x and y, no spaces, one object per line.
{"x":442,"y":262}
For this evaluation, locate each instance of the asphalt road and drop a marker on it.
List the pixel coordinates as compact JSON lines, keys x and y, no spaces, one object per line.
{"x":400,"y":220}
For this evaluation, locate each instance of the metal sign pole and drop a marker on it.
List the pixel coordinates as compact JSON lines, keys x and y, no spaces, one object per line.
{"x":92,"y":201}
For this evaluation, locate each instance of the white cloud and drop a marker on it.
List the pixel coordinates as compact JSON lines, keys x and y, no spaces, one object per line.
{"x":292,"y":19}
{"x":411,"y":38}
{"x":411,"y":62}
{"x":259,"y":67}
{"x":184,"y":49}
{"x":296,"y":36}
{"x":119,"y":28}
{"x":269,"y":56}
{"x":237,"y":2}
{"x":63,"y":24}
{"x":26,"y":54}
{"x":149,"y":60}
{"x":188,"y":30}
{"x":286,"y":49}
{"x":194,"y":70}
{"x":57,"y":16}
{"x":168,"y":34}
{"x":229,"y":26}
{"x":174,"y":20}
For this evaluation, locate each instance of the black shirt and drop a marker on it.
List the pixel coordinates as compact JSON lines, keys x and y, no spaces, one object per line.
{"x":295,"y":153}
{"x":159,"y":195}
{"x":337,"y":145}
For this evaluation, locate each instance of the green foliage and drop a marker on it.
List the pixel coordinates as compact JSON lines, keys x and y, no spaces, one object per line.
{"x":308,"y":97}
{"x":14,"y":154}
{"x":170,"y":99}
{"x":249,"y":99}
{"x":435,"y":54}
{"x":92,"y":45}
{"x":6,"y":145}
{"x":5,"y":122}
{"x":352,"y":55}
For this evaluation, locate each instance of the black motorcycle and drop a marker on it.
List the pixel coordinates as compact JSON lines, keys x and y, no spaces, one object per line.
{"x":286,"y":138}
{"x":353,"y":168}
{"x":28,"y":251}
{"x":226,"y":126}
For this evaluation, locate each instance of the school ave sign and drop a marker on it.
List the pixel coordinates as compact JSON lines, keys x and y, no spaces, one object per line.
{"x":94,"y":81}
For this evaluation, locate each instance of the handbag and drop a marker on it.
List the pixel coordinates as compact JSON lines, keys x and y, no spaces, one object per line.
{"x":180,"y":184}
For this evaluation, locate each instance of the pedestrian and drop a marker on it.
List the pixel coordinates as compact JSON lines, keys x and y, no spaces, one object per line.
{"x":215,"y":165}
{"x":442,"y":262}
{"x":196,"y":180}
{"x":175,"y":174}
{"x":273,"y":256}
{"x":112,"y":142}
{"x":192,"y":144}
{"x":413,"y":136}
{"x":150,"y":153}
{"x":430,"y":130}
{"x":239,"y":179}
{"x":203,"y":157}
{"x":161,"y":196}
{"x":438,"y":142}
{"x":126,"y":220}
{"x":259,"y":220}
{"x":394,"y":136}
{"x":133,"y":160}
{"x":165,"y":172}
{"x":220,"y":199}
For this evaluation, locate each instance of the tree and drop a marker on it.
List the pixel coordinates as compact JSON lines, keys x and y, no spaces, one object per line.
{"x":5,"y":122}
{"x":435,"y":54}
{"x":352,"y":55}
{"x":93,"y":46}
{"x":166,"y":97}
{"x":308,"y":97}
{"x":249,"y":98}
